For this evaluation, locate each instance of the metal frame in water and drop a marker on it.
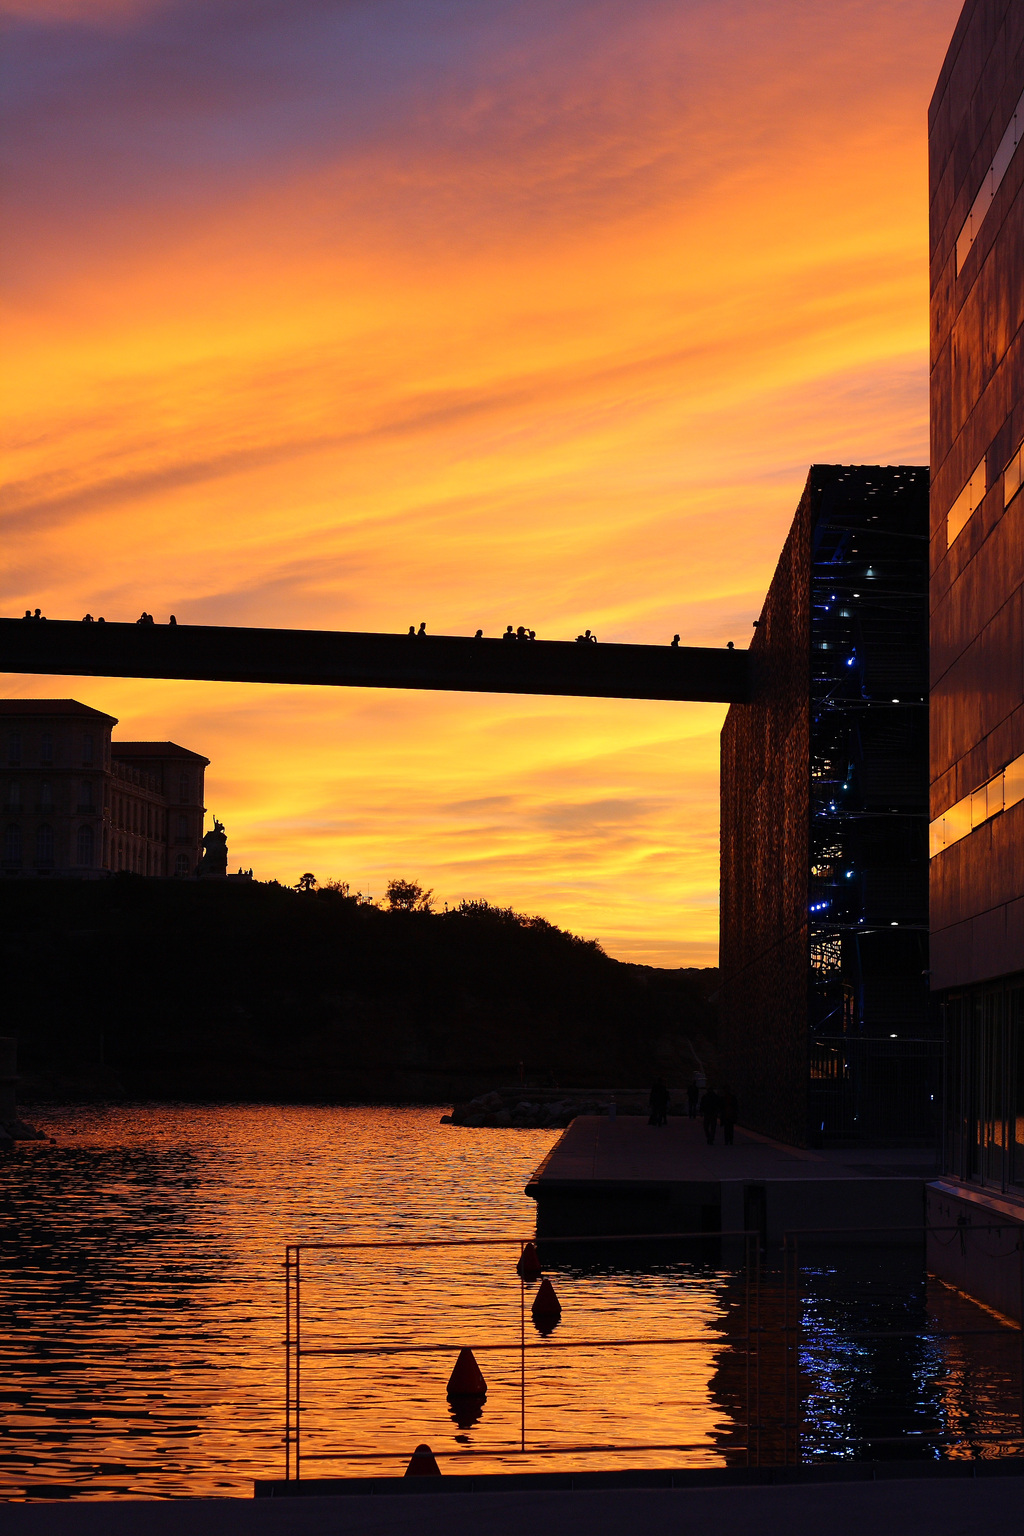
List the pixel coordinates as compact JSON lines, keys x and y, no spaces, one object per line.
{"x":296,"y":1351}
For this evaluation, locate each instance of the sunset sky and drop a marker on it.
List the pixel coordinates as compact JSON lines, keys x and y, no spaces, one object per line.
{"x":356,"y":313}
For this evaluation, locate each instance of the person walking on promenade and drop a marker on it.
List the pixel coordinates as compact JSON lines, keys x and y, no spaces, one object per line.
{"x":710,"y":1108}
{"x":692,"y":1098}
{"x":727,"y":1112}
{"x":658,"y":1101}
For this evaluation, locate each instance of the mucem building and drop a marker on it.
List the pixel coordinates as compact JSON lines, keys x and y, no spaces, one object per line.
{"x":976,"y":123}
{"x":827,"y":1031}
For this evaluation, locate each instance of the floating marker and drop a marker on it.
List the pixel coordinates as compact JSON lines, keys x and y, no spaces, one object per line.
{"x":422,"y":1463}
{"x":467,"y":1378}
{"x":546,"y":1304}
{"x":528,"y":1267}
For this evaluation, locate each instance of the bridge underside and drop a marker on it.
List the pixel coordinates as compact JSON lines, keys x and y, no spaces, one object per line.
{"x":353,"y":660}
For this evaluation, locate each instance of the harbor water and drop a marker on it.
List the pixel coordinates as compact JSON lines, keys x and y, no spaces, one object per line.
{"x":143,"y":1332}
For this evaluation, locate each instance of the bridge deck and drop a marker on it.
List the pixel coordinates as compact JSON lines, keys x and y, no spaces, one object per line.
{"x":339,"y":658}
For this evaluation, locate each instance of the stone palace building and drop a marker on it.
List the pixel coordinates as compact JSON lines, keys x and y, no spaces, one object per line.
{"x":73,"y":802}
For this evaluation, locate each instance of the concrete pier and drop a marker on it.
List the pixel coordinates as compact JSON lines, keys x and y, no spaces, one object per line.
{"x":621,"y":1175}
{"x":939,"y":1499}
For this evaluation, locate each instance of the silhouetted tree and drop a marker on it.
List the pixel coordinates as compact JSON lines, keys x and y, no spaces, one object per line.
{"x":407,"y":896}
{"x":306,"y":882}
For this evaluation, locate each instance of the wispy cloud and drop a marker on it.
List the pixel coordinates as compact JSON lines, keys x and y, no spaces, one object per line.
{"x":359,"y":314}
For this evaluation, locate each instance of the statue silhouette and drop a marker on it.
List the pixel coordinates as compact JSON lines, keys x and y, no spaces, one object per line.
{"x":215,"y":851}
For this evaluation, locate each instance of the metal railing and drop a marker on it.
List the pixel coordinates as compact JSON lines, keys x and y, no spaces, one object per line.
{"x":756,"y":1341}
{"x":296,"y":1351}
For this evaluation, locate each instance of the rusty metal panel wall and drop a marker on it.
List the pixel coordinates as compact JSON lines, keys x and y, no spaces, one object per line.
{"x":977,"y":414}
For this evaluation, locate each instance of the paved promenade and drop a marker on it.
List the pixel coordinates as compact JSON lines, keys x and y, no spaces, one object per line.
{"x":622,"y":1174}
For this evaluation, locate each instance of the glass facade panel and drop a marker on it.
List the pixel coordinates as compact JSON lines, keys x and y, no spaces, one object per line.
{"x":1013,"y":783}
{"x":984,"y":1096}
{"x":970,"y":498}
{"x":1015,"y":1082}
{"x":994,"y":796}
{"x":1012,"y":476}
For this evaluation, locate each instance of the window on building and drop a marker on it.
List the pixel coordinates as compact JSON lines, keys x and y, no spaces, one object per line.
{"x":183,"y":826}
{"x":184,"y":787}
{"x":1013,"y":476}
{"x":87,"y":749}
{"x":12,"y":844}
{"x":86,"y":847}
{"x":14,"y":795}
{"x":14,"y":750}
{"x":46,"y":795}
{"x":46,"y":748}
{"x":967,"y":503}
{"x":85,"y":795}
{"x":44,"y":845}
{"x":181,"y":864}
{"x":991,"y":184}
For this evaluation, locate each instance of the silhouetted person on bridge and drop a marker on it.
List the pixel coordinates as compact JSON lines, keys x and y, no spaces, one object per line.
{"x":710,"y":1108}
{"x":658,"y":1102}
{"x":675,"y":640}
{"x":421,"y":633}
{"x":479,"y":635}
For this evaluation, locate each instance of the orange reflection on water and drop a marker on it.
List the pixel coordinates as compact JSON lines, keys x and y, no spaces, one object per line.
{"x":143,"y":1288}
{"x":146,"y":1300}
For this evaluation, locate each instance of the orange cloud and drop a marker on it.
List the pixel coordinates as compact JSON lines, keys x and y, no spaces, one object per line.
{"x":531,"y":314}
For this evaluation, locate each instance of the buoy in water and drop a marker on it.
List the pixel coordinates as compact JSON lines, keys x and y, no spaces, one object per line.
{"x":528,"y":1267}
{"x":546,"y":1304}
{"x":422,"y":1463}
{"x":467,"y":1378}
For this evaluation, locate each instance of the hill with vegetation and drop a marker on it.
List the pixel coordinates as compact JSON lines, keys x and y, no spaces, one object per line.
{"x":243,"y":990}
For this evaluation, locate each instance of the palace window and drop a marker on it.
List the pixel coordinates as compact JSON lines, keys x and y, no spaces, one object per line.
{"x":46,"y":748}
{"x":183,"y":826}
{"x":14,"y":750}
{"x":86,"y":847}
{"x":46,"y":795}
{"x":44,"y":845}
{"x":85,"y":795}
{"x":181,"y":864}
{"x":184,"y":787}
{"x":14,"y":795}
{"x":86,"y":749}
{"x":12,"y":844}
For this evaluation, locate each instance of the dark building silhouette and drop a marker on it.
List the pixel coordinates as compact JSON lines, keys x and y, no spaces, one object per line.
{"x":74,"y":802}
{"x":824,"y":997}
{"x":976,"y":123}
